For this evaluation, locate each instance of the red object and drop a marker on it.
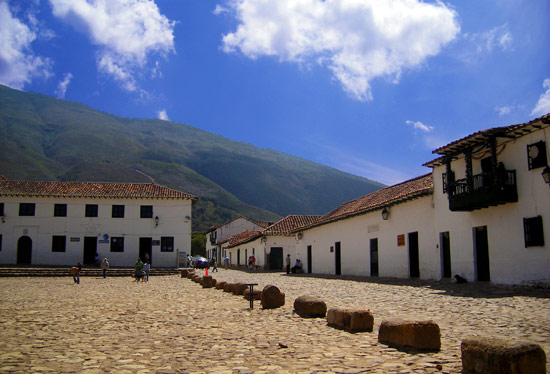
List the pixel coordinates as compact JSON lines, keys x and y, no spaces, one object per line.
{"x":206,"y":271}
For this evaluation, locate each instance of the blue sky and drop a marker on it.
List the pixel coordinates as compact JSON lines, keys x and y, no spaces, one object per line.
{"x":367,"y":87}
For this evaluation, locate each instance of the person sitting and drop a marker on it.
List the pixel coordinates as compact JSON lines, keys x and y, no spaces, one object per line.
{"x":139,"y":271}
{"x":297,"y":268}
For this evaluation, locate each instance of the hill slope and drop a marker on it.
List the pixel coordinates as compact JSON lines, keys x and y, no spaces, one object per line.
{"x":43,"y":138}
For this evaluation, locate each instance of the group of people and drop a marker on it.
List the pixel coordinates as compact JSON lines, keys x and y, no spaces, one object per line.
{"x":297,"y":268}
{"x":141,"y":269}
{"x":251,"y":262}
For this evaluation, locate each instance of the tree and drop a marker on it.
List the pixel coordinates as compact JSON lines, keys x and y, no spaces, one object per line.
{"x":198,"y":244}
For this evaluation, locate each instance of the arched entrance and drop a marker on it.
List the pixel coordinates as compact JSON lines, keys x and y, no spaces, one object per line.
{"x":24,"y":250}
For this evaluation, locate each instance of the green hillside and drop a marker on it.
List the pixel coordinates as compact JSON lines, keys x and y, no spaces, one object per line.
{"x":43,"y":138}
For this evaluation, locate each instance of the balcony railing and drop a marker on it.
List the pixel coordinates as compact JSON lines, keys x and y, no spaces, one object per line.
{"x":486,"y":190}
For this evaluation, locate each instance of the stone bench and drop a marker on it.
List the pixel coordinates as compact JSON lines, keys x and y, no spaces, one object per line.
{"x":256,"y":294}
{"x":353,"y":320}
{"x":208,"y":282}
{"x":419,"y":335}
{"x":310,"y":307}
{"x":272,"y":297}
{"x":493,"y":355}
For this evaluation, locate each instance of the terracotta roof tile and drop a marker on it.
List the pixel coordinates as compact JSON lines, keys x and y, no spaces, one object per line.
{"x":392,"y":195}
{"x":243,"y":237}
{"x":286,"y":225}
{"x":91,"y":190}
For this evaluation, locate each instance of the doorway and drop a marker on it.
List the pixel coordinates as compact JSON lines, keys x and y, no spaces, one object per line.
{"x":146,"y":250}
{"x":276,"y":258}
{"x":24,"y":250}
{"x":481,"y":254}
{"x":309,"y":259}
{"x":374,"y":257}
{"x":338,"y":258}
{"x":414,"y":260}
{"x":445,"y":245}
{"x":90,"y":250}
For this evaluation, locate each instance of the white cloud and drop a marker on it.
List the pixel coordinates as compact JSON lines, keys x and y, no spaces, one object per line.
{"x":543,"y":105}
{"x":161,"y":114}
{"x":62,"y":86}
{"x":220,"y":9}
{"x":18,"y":63}
{"x":126,"y":32}
{"x":420,"y":126}
{"x":498,"y":37}
{"x":359,"y":40}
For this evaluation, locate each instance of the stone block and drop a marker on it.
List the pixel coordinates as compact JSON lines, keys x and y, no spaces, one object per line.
{"x":208,"y":282}
{"x":184,"y":273}
{"x":353,"y":320}
{"x":227,"y":287}
{"x":220,"y":285}
{"x":238,"y":288}
{"x":490,"y":355}
{"x":272,"y":297}
{"x":420,"y":335}
{"x":256,"y":294}
{"x":310,"y":306}
{"x":190,"y":274}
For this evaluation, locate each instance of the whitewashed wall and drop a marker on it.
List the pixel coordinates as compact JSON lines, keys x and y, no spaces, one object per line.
{"x":174,"y":221}
{"x":510,"y":261}
{"x":354,"y":235}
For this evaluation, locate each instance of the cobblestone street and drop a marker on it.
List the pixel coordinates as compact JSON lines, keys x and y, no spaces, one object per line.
{"x":173,"y":325}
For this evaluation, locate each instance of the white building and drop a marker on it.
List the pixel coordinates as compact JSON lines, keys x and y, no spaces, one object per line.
{"x":482,"y":213}
{"x":62,"y":223}
{"x":217,"y":236}
{"x":269,"y":246}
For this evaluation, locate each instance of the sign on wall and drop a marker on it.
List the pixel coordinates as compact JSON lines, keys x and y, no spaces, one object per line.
{"x":401,"y":240}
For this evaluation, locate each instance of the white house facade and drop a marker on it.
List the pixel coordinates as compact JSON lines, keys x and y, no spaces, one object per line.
{"x":482,"y":213}
{"x":62,"y":223}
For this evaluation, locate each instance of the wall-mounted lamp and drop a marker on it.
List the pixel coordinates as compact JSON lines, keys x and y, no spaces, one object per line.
{"x":263,"y":239}
{"x":156,"y":221}
{"x":385,"y":214}
{"x":546,"y":174}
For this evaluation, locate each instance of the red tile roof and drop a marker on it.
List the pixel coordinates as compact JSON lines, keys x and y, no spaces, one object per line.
{"x":388,"y":196}
{"x":91,"y":190}
{"x":286,"y":225}
{"x":243,"y":237}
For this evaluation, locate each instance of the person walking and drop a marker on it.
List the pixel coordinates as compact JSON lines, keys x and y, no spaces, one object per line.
{"x":214,"y":265}
{"x":105,"y":267}
{"x":75,"y":271}
{"x":288,"y":263}
{"x":226,"y":262}
{"x":146,"y":269}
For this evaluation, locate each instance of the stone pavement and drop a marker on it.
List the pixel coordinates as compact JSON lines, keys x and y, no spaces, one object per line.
{"x":173,"y":325}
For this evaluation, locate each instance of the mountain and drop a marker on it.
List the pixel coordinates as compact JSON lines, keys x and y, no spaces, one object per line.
{"x":43,"y":138}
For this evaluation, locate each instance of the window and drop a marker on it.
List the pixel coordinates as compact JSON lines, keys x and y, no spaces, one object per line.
{"x":444,"y":180}
{"x":1,"y":209}
{"x":58,"y":243}
{"x":167,"y":244}
{"x":0,"y":242}
{"x":26,"y":209}
{"x":117,"y":244}
{"x":91,"y":210}
{"x":533,"y":232}
{"x":536,"y":155}
{"x":118,"y":211}
{"x":146,"y":211}
{"x":60,"y":210}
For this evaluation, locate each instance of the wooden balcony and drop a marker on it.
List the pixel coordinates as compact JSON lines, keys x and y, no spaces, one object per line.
{"x":485,"y":190}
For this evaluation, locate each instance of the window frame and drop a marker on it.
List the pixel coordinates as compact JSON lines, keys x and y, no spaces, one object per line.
{"x":167,"y":244}
{"x":91,"y":210}
{"x":60,"y":210}
{"x":26,"y":211}
{"x":146,"y":211}
{"x":533,"y":232}
{"x":117,"y":211}
{"x":117,"y":244}
{"x":59,"y":243}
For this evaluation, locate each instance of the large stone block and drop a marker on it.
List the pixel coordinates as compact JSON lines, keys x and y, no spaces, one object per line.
{"x":497,"y":356}
{"x":184,"y":273}
{"x":220,"y":285}
{"x":227,"y":287}
{"x":420,"y":335}
{"x":310,"y":306}
{"x":208,"y":281}
{"x":272,"y":297}
{"x":351,"y":319}
{"x":190,"y":274}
